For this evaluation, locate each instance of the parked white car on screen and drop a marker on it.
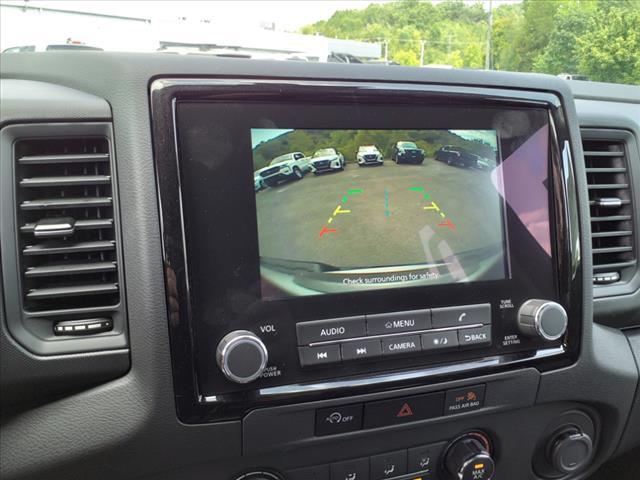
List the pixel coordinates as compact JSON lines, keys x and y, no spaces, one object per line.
{"x":369,"y":155}
{"x":327,"y":160}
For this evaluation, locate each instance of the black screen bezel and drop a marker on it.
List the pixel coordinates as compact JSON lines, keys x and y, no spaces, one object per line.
{"x":185,"y":332}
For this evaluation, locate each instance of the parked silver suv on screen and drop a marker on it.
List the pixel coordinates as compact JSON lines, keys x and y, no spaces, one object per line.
{"x":291,"y":166}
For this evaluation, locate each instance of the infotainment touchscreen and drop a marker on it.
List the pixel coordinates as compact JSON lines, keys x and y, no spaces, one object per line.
{"x":355,"y":210}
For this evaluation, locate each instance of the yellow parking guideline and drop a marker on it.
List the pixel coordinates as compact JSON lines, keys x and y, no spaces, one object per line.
{"x":433,"y":206}
{"x":339,"y":210}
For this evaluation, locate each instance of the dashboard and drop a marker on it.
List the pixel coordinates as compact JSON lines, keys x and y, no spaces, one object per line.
{"x":238,"y":269}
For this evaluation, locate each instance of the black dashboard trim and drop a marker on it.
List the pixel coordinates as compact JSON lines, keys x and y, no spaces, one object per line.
{"x":128,"y":426}
{"x":195,"y":407}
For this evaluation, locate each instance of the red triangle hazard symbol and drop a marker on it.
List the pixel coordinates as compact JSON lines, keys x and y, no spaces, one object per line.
{"x":405,"y":411}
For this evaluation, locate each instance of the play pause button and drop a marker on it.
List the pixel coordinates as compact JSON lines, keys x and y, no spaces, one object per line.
{"x":361,"y":349}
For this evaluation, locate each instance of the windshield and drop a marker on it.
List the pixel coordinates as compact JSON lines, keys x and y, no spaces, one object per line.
{"x":367,"y":149}
{"x":408,"y":145}
{"x":324,"y":151}
{"x":281,"y":158}
{"x":594,"y":40}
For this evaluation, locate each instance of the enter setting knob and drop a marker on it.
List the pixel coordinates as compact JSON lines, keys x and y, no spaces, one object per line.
{"x":242,"y":356}
{"x":468,"y":458}
{"x":543,"y":319}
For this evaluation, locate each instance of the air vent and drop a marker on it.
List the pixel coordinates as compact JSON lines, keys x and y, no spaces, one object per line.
{"x":610,"y":201}
{"x":65,"y":216}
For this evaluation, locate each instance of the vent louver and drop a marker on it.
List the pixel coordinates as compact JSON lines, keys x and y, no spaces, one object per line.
{"x":610,"y":202}
{"x":65,"y":216}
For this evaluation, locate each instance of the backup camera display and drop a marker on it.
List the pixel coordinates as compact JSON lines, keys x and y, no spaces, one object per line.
{"x":356,"y":210}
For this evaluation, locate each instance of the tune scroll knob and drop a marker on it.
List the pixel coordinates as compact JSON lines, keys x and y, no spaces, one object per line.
{"x":469,"y":458}
{"x":242,"y":356}
{"x":543,"y":319}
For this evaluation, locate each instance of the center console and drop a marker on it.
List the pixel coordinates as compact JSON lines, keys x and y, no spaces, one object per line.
{"x":335,"y":240}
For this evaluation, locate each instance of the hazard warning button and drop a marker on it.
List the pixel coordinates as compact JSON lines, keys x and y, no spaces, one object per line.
{"x":398,"y":411}
{"x":405,"y":411}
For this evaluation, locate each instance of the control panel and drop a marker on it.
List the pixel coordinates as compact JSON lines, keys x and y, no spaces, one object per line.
{"x":467,"y":457}
{"x":398,"y":411}
{"x":376,"y":336}
{"x":427,"y":335}
{"x":292,"y":356}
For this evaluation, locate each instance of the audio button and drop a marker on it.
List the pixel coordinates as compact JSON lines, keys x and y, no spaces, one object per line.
{"x":331,"y":329}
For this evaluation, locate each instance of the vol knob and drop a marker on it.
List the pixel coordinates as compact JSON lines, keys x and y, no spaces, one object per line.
{"x":242,"y":356}
{"x":542,"y":318}
{"x":468,"y":458}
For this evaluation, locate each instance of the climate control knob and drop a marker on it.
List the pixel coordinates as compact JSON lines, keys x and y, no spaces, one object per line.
{"x":543,"y":319}
{"x":259,"y":476}
{"x":469,"y":458}
{"x":242,"y":356}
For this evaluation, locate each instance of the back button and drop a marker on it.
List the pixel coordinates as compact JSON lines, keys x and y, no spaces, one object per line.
{"x":475,"y":337}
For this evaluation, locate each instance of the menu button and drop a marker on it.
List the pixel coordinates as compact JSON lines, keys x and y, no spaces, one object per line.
{"x":396,"y":322}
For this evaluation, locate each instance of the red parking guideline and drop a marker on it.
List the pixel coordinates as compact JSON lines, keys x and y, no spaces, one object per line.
{"x":326,"y":230}
{"x":449,"y":224}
